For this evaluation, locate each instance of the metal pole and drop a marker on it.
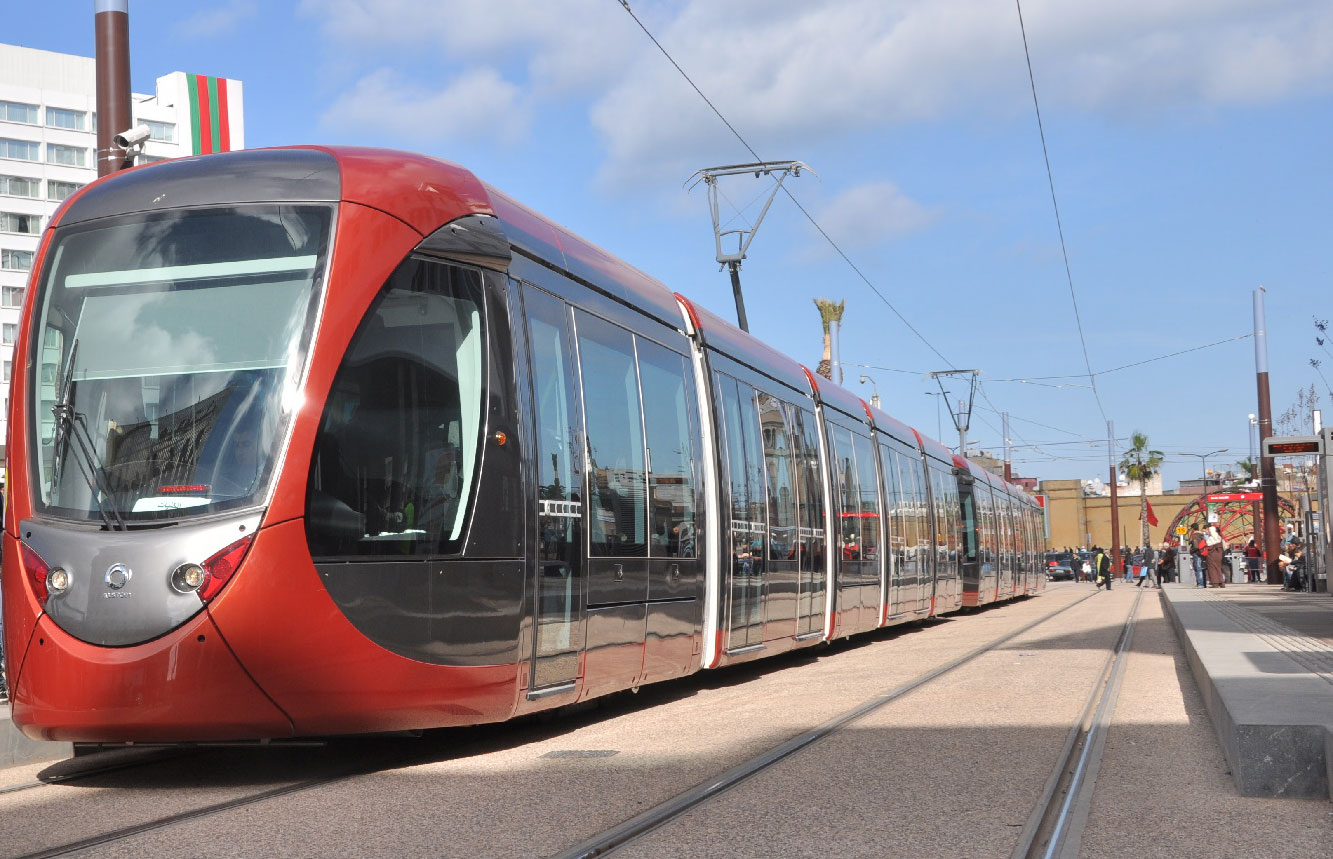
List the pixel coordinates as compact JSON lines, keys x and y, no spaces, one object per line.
{"x":1115,"y":499}
{"x":1272,"y":530}
{"x":1008,"y":470}
{"x":735,"y":269}
{"x":111,"y":22}
{"x":962,"y":431}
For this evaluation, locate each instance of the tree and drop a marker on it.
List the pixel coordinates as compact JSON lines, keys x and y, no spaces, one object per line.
{"x":1248,"y":468}
{"x":829,"y":312}
{"x":1139,"y":464}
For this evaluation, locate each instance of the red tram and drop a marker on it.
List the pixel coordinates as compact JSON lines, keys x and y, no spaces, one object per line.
{"x":315,"y":441}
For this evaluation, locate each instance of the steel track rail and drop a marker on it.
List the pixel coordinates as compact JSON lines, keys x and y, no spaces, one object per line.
{"x":1055,"y":827}
{"x":621,"y":834}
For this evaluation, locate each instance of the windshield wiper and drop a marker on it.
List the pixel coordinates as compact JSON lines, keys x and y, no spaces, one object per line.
{"x":70,"y":423}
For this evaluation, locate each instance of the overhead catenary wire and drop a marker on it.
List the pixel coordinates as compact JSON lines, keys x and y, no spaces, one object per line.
{"x":1050,"y":178}
{"x":833,"y":244}
{"x":790,"y":196}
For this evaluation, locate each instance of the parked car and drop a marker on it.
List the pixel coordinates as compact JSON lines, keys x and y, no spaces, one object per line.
{"x":1060,"y":566}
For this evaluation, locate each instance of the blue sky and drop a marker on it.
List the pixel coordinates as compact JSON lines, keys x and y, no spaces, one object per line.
{"x":1189,"y":140}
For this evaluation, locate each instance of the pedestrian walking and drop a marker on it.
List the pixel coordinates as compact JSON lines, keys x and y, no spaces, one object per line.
{"x":1166,"y":563}
{"x":1102,"y":564}
{"x":1197,"y":551}
{"x":1252,"y":562}
{"x":1215,"y":546}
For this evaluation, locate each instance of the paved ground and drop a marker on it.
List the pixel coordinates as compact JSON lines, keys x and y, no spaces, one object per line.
{"x":952,"y":769}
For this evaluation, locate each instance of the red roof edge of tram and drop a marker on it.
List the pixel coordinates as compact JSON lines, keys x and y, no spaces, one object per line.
{"x":444,"y":191}
{"x":891,"y":426}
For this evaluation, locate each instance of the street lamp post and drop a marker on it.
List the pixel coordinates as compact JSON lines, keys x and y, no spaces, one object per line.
{"x":874,"y":397}
{"x":1204,"y":463}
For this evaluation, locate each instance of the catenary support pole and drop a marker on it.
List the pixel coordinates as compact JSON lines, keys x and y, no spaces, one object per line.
{"x":1115,"y":499}
{"x":1272,"y":530}
{"x":111,"y":22}
{"x":741,"y":320}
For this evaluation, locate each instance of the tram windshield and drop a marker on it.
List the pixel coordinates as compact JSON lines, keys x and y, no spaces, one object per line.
{"x":166,"y":356}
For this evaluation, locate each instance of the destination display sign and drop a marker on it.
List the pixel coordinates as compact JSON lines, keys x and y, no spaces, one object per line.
{"x":1289,"y":445}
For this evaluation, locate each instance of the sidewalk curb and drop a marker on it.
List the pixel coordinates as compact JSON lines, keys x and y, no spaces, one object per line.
{"x":1274,"y":723}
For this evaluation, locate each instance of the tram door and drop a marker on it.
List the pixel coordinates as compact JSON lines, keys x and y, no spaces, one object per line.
{"x":896,"y":534}
{"x":558,"y":588}
{"x":744,"y":458}
{"x":811,"y":604}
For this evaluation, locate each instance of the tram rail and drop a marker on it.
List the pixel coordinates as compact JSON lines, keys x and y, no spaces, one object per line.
{"x":613,"y":838}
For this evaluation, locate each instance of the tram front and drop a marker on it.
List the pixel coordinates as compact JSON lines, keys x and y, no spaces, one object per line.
{"x":162,"y":355}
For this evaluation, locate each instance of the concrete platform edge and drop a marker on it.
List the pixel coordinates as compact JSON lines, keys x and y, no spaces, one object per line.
{"x":1280,"y":751}
{"x":17,"y":749}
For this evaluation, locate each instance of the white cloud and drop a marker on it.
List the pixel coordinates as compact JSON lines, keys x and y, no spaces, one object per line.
{"x":788,"y":73}
{"x":475,"y":104}
{"x":565,"y":45}
{"x":217,"y":20}
{"x":842,"y":66}
{"x":868,"y":214}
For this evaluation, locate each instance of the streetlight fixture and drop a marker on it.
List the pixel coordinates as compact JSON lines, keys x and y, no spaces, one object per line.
{"x":1204,"y":463}
{"x":874,"y":397}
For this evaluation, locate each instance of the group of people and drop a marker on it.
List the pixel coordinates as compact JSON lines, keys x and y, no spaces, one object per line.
{"x":1144,"y":566}
{"x":1206,"y":548}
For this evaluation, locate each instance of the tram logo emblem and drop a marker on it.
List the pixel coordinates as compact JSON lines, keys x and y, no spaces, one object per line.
{"x":117,"y":576}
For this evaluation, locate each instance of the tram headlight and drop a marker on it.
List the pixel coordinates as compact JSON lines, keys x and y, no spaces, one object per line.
{"x":58,"y":581}
{"x":187,"y":578}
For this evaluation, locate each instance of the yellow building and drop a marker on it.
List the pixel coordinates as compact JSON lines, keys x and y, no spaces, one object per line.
{"x":1075,"y":519}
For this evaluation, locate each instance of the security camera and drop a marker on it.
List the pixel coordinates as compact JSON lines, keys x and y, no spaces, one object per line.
{"x":133,"y":137}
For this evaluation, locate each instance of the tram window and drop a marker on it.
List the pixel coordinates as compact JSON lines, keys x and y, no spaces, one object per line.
{"x":969,"y":515}
{"x":781,"y":486}
{"x":396,"y":456}
{"x":559,"y":468}
{"x":668,"y":418}
{"x":745,"y":466}
{"x":170,"y":341}
{"x":618,"y":523}
{"x":805,"y":430}
{"x":867,"y":507}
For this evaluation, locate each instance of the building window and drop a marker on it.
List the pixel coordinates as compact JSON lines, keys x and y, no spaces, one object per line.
{"x":19,"y":186}
{"x":13,"y":111}
{"x":163,"y":131}
{"x":148,"y":159}
{"x":16,"y":260}
{"x":22,"y":150}
{"x":9,"y":365}
{"x":13,"y":295}
{"x":72,"y":156}
{"x":13,"y":222}
{"x":59,"y":117}
{"x":9,"y":334}
{"x":60,"y":190}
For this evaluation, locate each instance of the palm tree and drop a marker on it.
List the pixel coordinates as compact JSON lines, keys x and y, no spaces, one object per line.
{"x":1139,"y":464}
{"x":1248,"y":468}
{"x":829,"y":312}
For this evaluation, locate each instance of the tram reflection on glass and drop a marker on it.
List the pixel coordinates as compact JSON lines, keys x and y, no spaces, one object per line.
{"x":316,"y":441}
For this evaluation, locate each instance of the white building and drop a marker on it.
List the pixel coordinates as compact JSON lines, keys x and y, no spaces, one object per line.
{"x":48,"y":146}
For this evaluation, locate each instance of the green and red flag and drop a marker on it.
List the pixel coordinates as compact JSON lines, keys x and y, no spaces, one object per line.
{"x":209,"y":114}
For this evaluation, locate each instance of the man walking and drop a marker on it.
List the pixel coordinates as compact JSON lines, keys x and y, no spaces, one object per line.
{"x":1196,"y":554}
{"x":1101,"y":563}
